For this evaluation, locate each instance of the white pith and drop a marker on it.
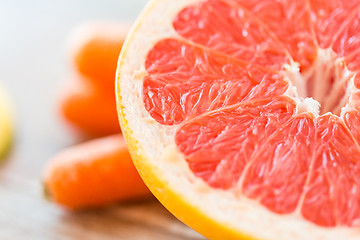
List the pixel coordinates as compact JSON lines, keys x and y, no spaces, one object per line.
{"x":313,"y":96}
{"x":159,"y":149}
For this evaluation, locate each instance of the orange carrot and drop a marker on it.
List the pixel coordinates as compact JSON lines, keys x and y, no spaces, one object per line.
{"x":89,"y":109}
{"x":94,"y":174}
{"x":95,"y":48}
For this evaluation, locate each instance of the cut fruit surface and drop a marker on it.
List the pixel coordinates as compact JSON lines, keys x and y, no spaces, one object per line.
{"x":241,"y":114}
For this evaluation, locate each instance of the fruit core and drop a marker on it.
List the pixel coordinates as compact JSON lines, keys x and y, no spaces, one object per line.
{"x":327,"y":82}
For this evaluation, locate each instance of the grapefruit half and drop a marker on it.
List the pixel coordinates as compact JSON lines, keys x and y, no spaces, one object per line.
{"x":243,"y":116}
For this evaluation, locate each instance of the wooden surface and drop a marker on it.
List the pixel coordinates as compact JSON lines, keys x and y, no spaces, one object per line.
{"x":25,"y":214}
{"x":33,"y":65}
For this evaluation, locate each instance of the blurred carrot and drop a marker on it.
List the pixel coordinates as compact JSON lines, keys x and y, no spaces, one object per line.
{"x":94,"y":174}
{"x":89,"y":100}
{"x":95,"y":49}
{"x":89,"y":109}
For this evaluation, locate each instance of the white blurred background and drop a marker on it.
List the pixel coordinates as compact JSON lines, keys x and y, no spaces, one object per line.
{"x":34,"y":63}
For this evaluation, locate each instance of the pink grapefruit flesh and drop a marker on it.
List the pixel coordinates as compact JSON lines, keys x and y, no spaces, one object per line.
{"x":228,"y":82}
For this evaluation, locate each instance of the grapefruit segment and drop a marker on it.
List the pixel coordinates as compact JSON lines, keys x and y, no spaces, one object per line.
{"x":352,"y":121}
{"x":220,"y":144}
{"x":329,"y":16}
{"x":353,"y":62}
{"x":184,"y":81}
{"x":348,"y":42}
{"x":231,"y":30}
{"x":332,"y":195}
{"x":289,"y":22}
{"x":279,"y":168}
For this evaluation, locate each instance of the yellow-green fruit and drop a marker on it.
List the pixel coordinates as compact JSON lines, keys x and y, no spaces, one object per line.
{"x":6,"y":123}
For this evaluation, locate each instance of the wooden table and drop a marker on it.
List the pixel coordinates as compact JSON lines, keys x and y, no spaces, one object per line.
{"x":33,"y":65}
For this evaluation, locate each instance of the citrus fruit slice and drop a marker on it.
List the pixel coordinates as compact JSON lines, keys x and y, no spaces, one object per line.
{"x":243,"y":116}
{"x":6,"y":125}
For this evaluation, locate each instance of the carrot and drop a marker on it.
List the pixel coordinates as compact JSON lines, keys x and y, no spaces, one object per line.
{"x":91,"y":111}
{"x":94,"y":174}
{"x":94,"y":50}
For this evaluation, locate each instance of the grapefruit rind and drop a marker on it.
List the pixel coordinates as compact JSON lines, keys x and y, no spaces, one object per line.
{"x":215,"y":213}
